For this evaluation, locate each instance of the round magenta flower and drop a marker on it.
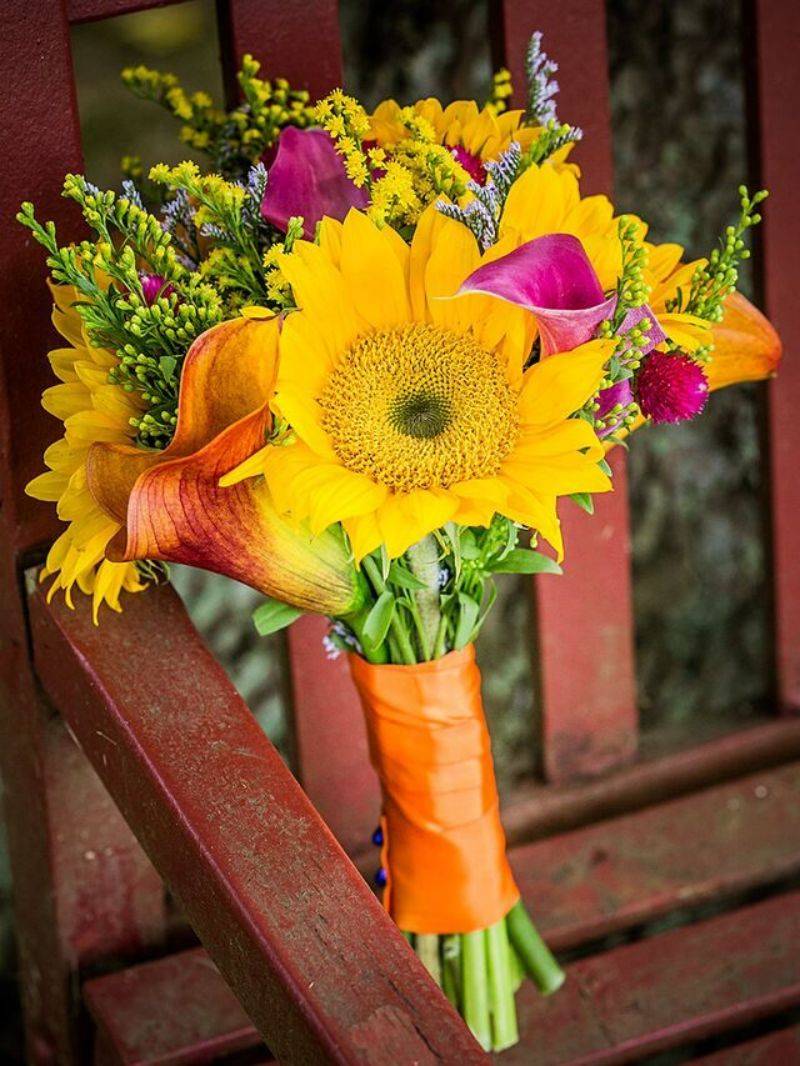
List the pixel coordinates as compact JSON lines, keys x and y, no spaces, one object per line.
{"x":671,"y":387}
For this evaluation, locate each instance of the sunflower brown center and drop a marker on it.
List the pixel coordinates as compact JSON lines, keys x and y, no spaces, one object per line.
{"x":419,"y":406}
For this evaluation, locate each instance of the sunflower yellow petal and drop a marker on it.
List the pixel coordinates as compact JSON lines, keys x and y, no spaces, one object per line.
{"x":373,"y":273}
{"x":558,"y":386}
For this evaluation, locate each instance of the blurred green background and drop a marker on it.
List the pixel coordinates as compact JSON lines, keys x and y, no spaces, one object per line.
{"x":701,"y":594}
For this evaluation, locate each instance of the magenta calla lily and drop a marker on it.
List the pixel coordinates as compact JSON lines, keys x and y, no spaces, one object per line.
{"x":308,"y":178}
{"x":552,"y":277}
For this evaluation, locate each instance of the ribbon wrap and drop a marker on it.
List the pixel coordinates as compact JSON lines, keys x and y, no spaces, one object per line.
{"x":444,"y":846}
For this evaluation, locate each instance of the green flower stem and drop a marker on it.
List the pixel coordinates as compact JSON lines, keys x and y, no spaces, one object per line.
{"x":423,"y":561}
{"x":501,"y":989}
{"x":399,"y":632}
{"x":534,"y":954}
{"x":451,"y":968}
{"x":515,"y":967}
{"x":427,"y":948}
{"x":476,"y":987}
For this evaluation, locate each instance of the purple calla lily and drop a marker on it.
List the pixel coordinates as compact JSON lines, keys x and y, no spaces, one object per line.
{"x":553,"y":278}
{"x":308,"y":178}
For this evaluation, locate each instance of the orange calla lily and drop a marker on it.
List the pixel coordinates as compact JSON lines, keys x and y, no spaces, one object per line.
{"x":170,"y":502}
{"x":746,"y":345}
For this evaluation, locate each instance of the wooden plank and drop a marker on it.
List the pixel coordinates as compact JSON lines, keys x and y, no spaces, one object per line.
{"x":330,"y":739}
{"x":775,"y":1049}
{"x":580,"y":886}
{"x":41,"y":115}
{"x":314,"y":959}
{"x":82,"y":888}
{"x":93,"y":10}
{"x":776,"y":86}
{"x":585,"y":647}
{"x":669,"y":990}
{"x":584,"y":885}
{"x":540,"y":811}
{"x":171,"y":1011}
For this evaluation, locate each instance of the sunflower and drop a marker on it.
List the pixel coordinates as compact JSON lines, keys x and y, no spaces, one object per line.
{"x":92,"y":409}
{"x":474,"y":136}
{"x":409,"y":410}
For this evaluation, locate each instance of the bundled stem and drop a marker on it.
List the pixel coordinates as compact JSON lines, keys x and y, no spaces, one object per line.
{"x":478,"y":971}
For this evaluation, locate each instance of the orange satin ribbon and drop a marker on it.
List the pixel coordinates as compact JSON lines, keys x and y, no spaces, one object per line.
{"x":444,"y":847}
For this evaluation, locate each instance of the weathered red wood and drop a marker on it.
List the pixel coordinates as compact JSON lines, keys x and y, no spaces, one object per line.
{"x":541,"y":811}
{"x":774,"y":1049}
{"x":69,"y":909}
{"x":173,"y":1011}
{"x":40,"y":141}
{"x":777,"y":85}
{"x":93,"y":10}
{"x":585,"y":648}
{"x":295,"y":41}
{"x":669,"y":990}
{"x":330,"y":739}
{"x":580,"y":886}
{"x":626,"y":871}
{"x":109,"y":899}
{"x":316,"y":962}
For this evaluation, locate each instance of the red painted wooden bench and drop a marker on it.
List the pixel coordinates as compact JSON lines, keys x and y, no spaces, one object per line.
{"x":141,"y":795}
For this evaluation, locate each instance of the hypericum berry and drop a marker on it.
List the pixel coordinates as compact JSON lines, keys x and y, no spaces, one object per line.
{"x":671,"y":387}
{"x":377,"y":837}
{"x":381,"y":877}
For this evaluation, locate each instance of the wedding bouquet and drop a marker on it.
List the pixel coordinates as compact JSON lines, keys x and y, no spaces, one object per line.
{"x":356,"y":362}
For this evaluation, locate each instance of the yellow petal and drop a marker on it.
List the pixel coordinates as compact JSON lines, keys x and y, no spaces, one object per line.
{"x":373,"y":273}
{"x":560,"y":385}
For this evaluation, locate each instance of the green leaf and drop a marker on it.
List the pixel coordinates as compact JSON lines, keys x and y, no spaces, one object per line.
{"x":379,"y":619}
{"x":273,"y":616}
{"x":469,"y":545}
{"x":167,"y":364}
{"x":526,"y":561}
{"x":467,"y":617}
{"x":605,"y":467}
{"x":398,"y":575}
{"x":584,"y":501}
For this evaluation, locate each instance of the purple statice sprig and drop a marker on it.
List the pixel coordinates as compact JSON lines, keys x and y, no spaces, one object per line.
{"x":482,"y":214}
{"x":542,"y":86}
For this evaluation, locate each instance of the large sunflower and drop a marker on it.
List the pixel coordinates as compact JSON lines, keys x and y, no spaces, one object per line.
{"x":474,"y":135}
{"x":92,"y":409}
{"x":409,"y":410}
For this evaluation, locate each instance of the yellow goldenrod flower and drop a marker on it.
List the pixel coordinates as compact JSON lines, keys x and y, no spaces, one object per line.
{"x":410,"y":409}
{"x":92,"y":409}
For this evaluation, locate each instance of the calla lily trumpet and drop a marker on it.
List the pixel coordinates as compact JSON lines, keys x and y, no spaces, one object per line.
{"x":172,"y":507}
{"x":553,"y":278}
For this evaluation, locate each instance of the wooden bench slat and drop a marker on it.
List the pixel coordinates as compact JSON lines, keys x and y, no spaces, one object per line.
{"x":617,"y":874}
{"x":666,"y":991}
{"x":172,"y":1011}
{"x":540,"y":811}
{"x":94,"y":10}
{"x":776,"y":89}
{"x":313,"y":957}
{"x":580,"y":886}
{"x":584,"y":661}
{"x":781,"y":1048}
